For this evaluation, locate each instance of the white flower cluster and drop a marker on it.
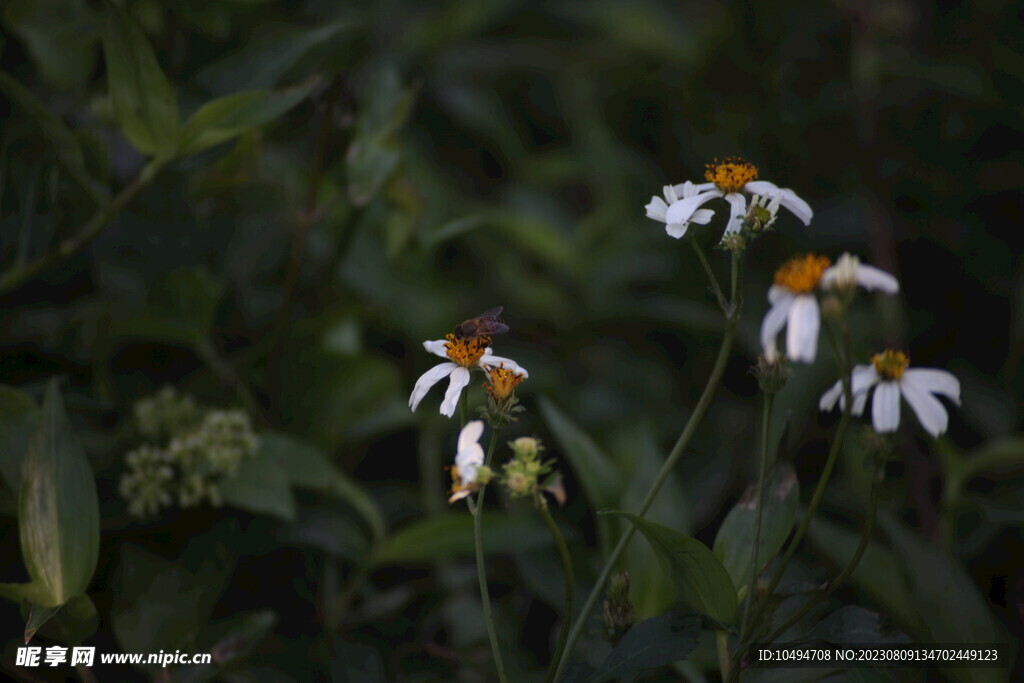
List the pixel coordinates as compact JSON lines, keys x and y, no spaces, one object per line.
{"x":195,"y":455}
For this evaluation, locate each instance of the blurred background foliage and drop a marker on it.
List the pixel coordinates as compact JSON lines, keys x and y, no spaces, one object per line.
{"x":375,"y":173}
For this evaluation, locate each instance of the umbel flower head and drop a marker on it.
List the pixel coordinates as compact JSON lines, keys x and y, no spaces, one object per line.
{"x":891,"y":377}
{"x":463,"y":354}
{"x":469,"y":471}
{"x":732,"y":179}
{"x":795,"y":306}
{"x":658,"y":208}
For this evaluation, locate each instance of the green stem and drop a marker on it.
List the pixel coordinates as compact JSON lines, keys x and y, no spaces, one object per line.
{"x":762,"y":468}
{"x":570,"y":583}
{"x":722,"y":645}
{"x":715,"y":287}
{"x":481,"y":572}
{"x":83,"y":235}
{"x":673,"y":457}
{"x":865,"y":539}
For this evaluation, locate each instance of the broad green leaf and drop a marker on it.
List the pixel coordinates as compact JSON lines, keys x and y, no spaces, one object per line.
{"x":261,"y":485}
{"x":229,"y":641}
{"x":228,"y":117}
{"x":58,"y":507}
{"x":37,"y":616}
{"x":264,"y":62}
{"x":19,"y":420}
{"x":144,"y":102}
{"x":306,"y":466}
{"x":62,"y":140}
{"x":451,"y":535}
{"x":60,"y":35}
{"x":734,"y":545}
{"x":593,"y":467}
{"x":851,"y":624}
{"x":656,"y":642}
{"x":701,"y":579}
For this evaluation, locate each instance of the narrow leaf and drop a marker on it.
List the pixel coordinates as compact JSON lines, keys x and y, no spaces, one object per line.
{"x":593,"y":467}
{"x":260,"y":486}
{"x":451,"y":535}
{"x":145,"y":105}
{"x":701,"y":579}
{"x":58,"y":507}
{"x":228,"y":117}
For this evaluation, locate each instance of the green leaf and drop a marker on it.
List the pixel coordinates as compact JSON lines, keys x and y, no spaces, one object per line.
{"x":19,"y":420}
{"x":180,"y":309}
{"x":451,"y":535}
{"x":262,"y":485}
{"x":595,"y":470}
{"x":650,"y":644}
{"x":228,"y":117}
{"x":374,"y":153}
{"x":308,"y":467}
{"x":60,"y":35}
{"x":264,"y":62}
{"x":734,"y":545}
{"x":72,"y":622}
{"x":701,"y":579}
{"x":229,"y":641}
{"x":62,"y":140}
{"x":58,"y":508}
{"x":144,"y":102}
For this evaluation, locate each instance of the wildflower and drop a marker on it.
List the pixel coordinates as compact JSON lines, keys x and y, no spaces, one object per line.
{"x":463,"y":355}
{"x":795,"y":306}
{"x":165,"y":413}
{"x":469,"y":462}
{"x":659,"y":207}
{"x":891,"y":377}
{"x":147,"y":482}
{"x":502,"y":402}
{"x":729,"y":179}
{"x":522,"y":474}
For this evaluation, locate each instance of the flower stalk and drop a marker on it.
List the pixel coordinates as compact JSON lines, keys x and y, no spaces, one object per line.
{"x":570,"y":582}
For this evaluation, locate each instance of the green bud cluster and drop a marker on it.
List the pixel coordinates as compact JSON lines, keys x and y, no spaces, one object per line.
{"x":522,"y":474}
{"x":196,"y":449}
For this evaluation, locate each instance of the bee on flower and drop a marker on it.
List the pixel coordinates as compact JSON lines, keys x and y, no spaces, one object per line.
{"x":794,"y":304}
{"x":731,"y":179}
{"x":892,"y":378}
{"x":468,"y":347}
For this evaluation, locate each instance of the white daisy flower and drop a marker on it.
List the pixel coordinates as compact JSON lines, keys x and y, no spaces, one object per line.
{"x":659,"y":207}
{"x":463,"y":355}
{"x":729,"y":179}
{"x":469,"y":459}
{"x":891,"y":377}
{"x":795,"y":306}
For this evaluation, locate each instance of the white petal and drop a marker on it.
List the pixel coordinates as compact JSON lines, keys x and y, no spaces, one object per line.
{"x":683,"y":210}
{"x":773,"y":322}
{"x":831,"y":397}
{"x":470,"y":434}
{"x":872,"y":278}
{"x":458,"y":381}
{"x":935,"y":381}
{"x":702,"y":216}
{"x":437,"y":347}
{"x":701,"y":187}
{"x":688,"y":189}
{"x":737,"y":211}
{"x":797,"y":206}
{"x":802,"y":329}
{"x":885,"y":407}
{"x":859,"y":402}
{"x":489,"y":360}
{"x":427,"y":380}
{"x":762,"y":187}
{"x":467,"y":472}
{"x":777,"y":294}
{"x":677,"y":230}
{"x":656,"y":209}
{"x":863,"y":378}
{"x":929,"y":410}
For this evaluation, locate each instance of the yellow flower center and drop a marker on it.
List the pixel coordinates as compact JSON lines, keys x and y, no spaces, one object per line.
{"x":466,"y":352}
{"x":890,"y":364}
{"x":801,"y":274}
{"x":502,"y":382}
{"x":730,"y":174}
